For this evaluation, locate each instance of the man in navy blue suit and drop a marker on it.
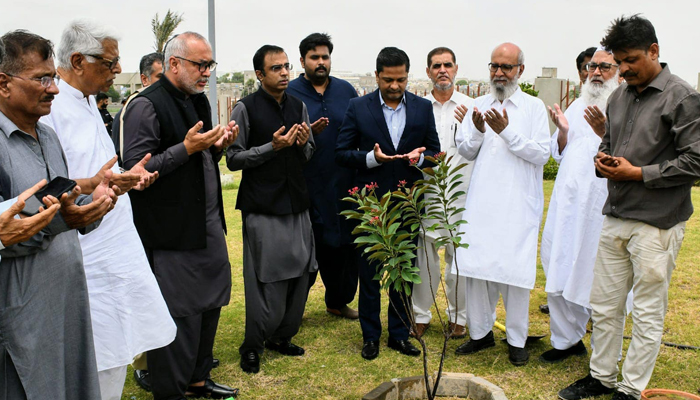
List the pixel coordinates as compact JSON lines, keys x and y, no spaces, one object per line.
{"x":381,"y":133}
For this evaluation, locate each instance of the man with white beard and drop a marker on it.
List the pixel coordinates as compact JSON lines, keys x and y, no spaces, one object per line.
{"x":575,"y":218}
{"x":510,"y":143}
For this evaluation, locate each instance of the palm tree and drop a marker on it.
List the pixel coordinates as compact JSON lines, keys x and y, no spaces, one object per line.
{"x":163,"y":29}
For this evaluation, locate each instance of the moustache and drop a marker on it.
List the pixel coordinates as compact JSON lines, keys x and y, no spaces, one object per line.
{"x":321,"y":68}
{"x":628,"y":74}
{"x":47,"y":98}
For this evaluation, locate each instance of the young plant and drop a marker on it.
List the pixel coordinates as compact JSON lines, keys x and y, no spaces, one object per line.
{"x":388,"y":228}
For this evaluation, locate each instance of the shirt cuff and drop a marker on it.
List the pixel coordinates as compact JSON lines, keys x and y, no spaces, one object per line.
{"x":371,"y":161}
{"x":650,"y":174}
{"x":420,"y":160}
{"x":507,"y":134}
{"x":4,"y":206}
{"x":180,"y":155}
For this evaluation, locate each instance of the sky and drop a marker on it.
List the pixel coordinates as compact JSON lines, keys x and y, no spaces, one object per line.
{"x":550,"y":32}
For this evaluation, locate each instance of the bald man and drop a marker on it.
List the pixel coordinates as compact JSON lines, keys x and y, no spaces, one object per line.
{"x":507,"y":137}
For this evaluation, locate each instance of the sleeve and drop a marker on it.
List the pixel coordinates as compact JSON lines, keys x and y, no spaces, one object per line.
{"x":469,"y":139}
{"x":685,"y":129}
{"x":432,"y":140}
{"x":531,"y":146}
{"x":239,"y":155}
{"x":554,"y":145}
{"x":347,"y":153}
{"x":4,"y":206}
{"x":310,"y":146}
{"x":142,"y":136}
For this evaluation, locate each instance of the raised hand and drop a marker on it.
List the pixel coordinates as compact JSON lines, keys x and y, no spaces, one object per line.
{"x":461,"y":112}
{"x":303,"y":134}
{"x":13,"y":231}
{"x":280,"y":141}
{"x":147,"y":178}
{"x":196,"y":142}
{"x":596,"y":119}
{"x":318,"y":126}
{"x":380,"y":157}
{"x":558,"y":118}
{"x":497,"y":121}
{"x":230,"y":134}
{"x":414,"y":154}
{"x":478,"y":120}
{"x":103,"y":199}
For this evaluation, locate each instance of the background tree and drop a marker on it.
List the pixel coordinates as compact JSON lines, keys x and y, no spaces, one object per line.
{"x":113,"y":94}
{"x":462,"y":82}
{"x":162,"y":30}
{"x":249,"y":86}
{"x":529,"y":89}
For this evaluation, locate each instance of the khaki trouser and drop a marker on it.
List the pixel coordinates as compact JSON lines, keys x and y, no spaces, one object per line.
{"x":631,"y":254}
{"x":140,"y":361}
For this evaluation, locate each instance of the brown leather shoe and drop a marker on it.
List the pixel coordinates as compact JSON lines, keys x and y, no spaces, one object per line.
{"x":420,"y":330}
{"x":345,"y":312}
{"x":458,"y":331}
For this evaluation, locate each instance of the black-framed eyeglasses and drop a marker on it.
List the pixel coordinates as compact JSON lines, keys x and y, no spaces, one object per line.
{"x":46,"y":81}
{"x":506,"y":68}
{"x":110,"y":63}
{"x":203,"y":66}
{"x":604,"y":67}
{"x":278,"y":67}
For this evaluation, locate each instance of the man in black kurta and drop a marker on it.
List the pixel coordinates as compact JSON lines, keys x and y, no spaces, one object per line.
{"x":278,"y":243}
{"x":180,"y":218}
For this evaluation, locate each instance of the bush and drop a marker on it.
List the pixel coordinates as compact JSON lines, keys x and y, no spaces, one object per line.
{"x":550,"y":170}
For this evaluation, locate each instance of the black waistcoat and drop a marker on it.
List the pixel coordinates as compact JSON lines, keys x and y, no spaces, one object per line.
{"x":276,"y":187}
{"x":171,"y":213}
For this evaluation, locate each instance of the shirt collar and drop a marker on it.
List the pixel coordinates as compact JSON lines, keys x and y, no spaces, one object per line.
{"x":659,"y":82}
{"x":269,"y":96}
{"x":383,"y":103}
{"x":66,"y":87}
{"x":309,"y":85}
{"x":516,"y":98}
{"x":8,"y":127}
{"x":431,"y":98}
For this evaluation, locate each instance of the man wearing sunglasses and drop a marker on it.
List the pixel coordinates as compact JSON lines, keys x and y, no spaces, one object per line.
{"x":650,"y":156}
{"x":128,"y":312}
{"x":575,"y":218}
{"x":507,"y":137}
{"x":180,"y":218}
{"x":278,"y":242}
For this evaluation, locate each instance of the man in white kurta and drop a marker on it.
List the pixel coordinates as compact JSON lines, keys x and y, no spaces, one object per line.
{"x":575,"y":218}
{"x":129,"y":315}
{"x":442,"y":69}
{"x":507,"y":135}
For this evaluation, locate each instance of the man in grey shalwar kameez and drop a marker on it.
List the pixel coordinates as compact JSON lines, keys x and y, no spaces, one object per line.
{"x":278,"y":245}
{"x":46,"y":348}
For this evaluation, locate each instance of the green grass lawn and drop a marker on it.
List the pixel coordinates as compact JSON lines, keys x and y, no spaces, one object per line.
{"x":332,"y":367}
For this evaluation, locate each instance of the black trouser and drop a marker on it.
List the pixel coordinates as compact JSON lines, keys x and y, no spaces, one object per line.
{"x":338,"y":268}
{"x":187,"y":359}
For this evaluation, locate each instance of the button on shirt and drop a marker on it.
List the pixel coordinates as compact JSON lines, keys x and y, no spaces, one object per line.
{"x":658,"y":130}
{"x":395,"y":122}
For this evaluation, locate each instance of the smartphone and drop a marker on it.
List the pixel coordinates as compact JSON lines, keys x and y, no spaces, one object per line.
{"x":55,"y":188}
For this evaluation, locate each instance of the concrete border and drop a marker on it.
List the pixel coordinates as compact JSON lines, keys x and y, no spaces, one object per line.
{"x":465,"y":386}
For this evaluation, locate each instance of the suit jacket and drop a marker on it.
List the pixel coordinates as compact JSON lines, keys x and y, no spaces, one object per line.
{"x":364,"y":125}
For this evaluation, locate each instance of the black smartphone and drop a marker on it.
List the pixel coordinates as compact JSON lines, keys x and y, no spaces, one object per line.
{"x":55,"y":188}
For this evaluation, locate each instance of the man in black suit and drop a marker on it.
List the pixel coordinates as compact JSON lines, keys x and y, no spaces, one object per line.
{"x":382,"y":132}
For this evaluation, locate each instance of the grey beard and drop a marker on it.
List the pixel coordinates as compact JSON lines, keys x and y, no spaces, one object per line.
{"x":595,"y":94}
{"x":502,"y":92}
{"x":444,"y":87}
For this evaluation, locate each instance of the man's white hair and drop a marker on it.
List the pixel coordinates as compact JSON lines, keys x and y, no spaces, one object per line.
{"x":84,"y":37}
{"x":177,"y":46}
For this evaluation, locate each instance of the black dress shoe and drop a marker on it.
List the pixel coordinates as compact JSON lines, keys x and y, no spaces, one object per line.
{"x":517,"y":356}
{"x":370,"y":350}
{"x":404,"y":347}
{"x":143,"y":379}
{"x":584,"y":388}
{"x":623,"y":396}
{"x":250,"y":362}
{"x":474,"y":345}
{"x":285,"y":347}
{"x":554,"y":355}
{"x":212,"y":390}
{"x":214,"y":362}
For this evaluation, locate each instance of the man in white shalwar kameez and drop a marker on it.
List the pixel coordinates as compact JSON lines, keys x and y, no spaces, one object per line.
{"x":575,"y":219}
{"x":508,"y":136}
{"x":129,"y":315}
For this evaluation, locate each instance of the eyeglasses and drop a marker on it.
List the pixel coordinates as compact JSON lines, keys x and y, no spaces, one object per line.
{"x":203,"y":66}
{"x":277,"y":68}
{"x":604,"y":67}
{"x":45,"y":81}
{"x":506,"y":68}
{"x":111,"y":63}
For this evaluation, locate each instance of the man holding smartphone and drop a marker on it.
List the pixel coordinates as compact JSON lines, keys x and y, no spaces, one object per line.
{"x":47,"y":349}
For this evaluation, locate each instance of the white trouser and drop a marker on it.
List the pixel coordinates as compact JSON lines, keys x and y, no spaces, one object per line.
{"x":112,"y":382}
{"x":430,"y":273}
{"x":567,"y":321}
{"x":631,"y":254}
{"x":482,"y":298}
